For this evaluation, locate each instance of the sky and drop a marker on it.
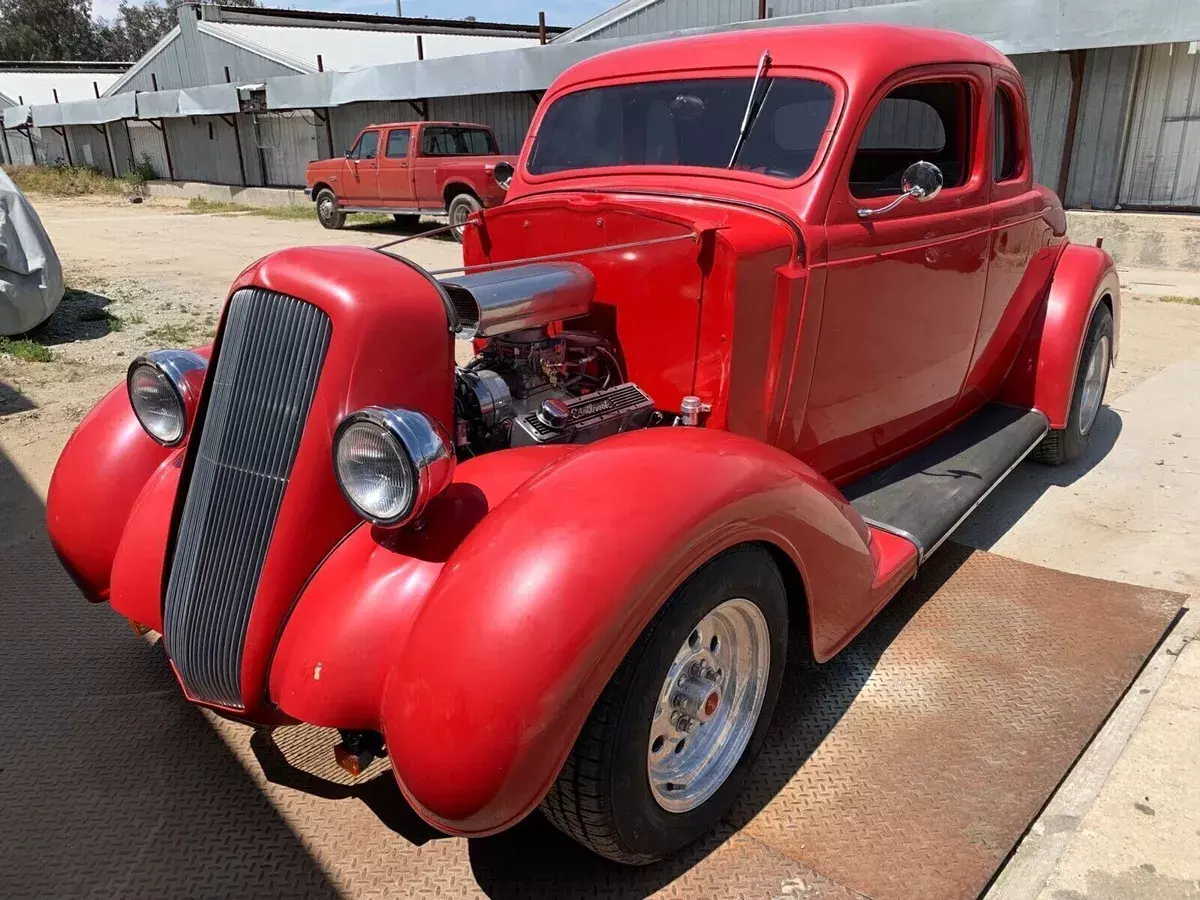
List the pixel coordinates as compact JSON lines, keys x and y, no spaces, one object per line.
{"x":558,"y":12}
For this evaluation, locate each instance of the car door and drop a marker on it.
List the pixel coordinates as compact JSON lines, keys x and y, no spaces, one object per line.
{"x":396,"y":171}
{"x":1022,"y":251}
{"x":903,"y":289}
{"x":362,"y":177}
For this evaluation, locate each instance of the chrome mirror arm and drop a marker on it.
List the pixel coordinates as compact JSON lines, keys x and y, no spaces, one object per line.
{"x":916,"y":193}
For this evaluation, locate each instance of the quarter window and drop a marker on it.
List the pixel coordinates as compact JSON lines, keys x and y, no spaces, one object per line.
{"x":928,"y":121}
{"x":397,"y":145}
{"x":440,"y":141}
{"x":1005,"y":162}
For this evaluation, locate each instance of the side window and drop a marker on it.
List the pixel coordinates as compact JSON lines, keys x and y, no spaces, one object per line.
{"x":1006,"y":163}
{"x":368,"y":144}
{"x":397,"y":143}
{"x":458,"y":142}
{"x":929,"y":121}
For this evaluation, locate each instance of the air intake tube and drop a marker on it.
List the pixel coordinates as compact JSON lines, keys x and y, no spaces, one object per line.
{"x":512,"y":299}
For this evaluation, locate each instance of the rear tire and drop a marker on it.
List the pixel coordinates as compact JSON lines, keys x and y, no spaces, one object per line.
{"x":461,"y":208}
{"x":1064,"y":445}
{"x":610,"y":795}
{"x":328,"y":213}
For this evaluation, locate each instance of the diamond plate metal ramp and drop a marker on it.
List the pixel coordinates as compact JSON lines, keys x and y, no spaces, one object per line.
{"x":906,"y":768}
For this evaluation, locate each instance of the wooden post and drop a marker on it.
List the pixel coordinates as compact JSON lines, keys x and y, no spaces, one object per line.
{"x":7,"y":150}
{"x":762,"y":9}
{"x":542,"y":26}
{"x":329,"y":131}
{"x":320,"y":63}
{"x":96,"y":88}
{"x":227,"y":77}
{"x":112,"y":161}
{"x":237,"y":139}
{"x":55,"y":90}
{"x":153,"y":82}
{"x":1078,"y":60}
{"x":420,"y":48}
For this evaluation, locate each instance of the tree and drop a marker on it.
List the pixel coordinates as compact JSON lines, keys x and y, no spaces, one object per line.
{"x":47,"y":30}
{"x":50,"y":30}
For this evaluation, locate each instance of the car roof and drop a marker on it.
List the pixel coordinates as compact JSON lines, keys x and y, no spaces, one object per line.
{"x":862,"y":54}
{"x":448,"y":124}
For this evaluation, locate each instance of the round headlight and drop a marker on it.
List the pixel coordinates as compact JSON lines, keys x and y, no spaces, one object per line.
{"x":164,"y":387}
{"x":390,"y":463}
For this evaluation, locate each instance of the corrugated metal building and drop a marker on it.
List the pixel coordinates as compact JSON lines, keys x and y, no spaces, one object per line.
{"x":1115,"y":98}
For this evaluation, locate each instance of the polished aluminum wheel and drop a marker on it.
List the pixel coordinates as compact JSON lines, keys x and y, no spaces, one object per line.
{"x":709,"y":705}
{"x":1093,"y":385}
{"x":325,"y":209}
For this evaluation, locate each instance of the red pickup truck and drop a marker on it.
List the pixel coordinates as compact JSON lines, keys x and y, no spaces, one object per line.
{"x":409,"y":169}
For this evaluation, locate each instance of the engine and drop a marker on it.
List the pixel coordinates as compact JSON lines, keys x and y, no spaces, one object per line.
{"x":528,"y":386}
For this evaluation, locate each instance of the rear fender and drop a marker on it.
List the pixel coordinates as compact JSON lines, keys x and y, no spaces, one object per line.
{"x":535,"y":610}
{"x":96,"y":482}
{"x":1043,"y":376}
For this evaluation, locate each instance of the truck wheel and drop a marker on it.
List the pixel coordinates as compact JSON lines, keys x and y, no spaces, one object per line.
{"x":462,"y":207}
{"x":1068,"y":444}
{"x":668,"y":743}
{"x":327,"y":210}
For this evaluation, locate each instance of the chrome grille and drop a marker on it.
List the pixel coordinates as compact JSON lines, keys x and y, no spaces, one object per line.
{"x":262,"y":386}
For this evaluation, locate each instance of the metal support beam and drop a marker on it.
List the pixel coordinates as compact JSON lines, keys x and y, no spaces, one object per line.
{"x":112,"y":163}
{"x":231,"y":121}
{"x":161,"y":126}
{"x":762,"y":9}
{"x":542,"y":27}
{"x":61,"y":131}
{"x":7,"y":150}
{"x":1078,"y":61}
{"x":421,"y":107}
{"x":324,"y":119}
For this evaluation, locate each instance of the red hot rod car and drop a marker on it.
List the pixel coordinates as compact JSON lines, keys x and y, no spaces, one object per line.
{"x":755,"y":332}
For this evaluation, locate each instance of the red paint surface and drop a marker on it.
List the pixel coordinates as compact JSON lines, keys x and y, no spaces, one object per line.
{"x":827,"y":346}
{"x":413,"y":182}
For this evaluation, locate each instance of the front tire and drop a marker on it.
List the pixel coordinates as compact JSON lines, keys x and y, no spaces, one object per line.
{"x":1064,"y":445}
{"x":328,"y":213}
{"x":461,"y":208}
{"x":668,"y":744}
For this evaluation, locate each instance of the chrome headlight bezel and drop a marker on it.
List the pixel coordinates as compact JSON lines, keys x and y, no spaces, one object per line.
{"x":182,"y":373}
{"x":420,"y":442}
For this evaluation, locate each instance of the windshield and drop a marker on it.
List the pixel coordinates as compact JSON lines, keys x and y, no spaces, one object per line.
{"x":685,"y":123}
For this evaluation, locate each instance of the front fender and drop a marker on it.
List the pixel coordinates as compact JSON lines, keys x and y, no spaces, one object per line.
{"x":1043,"y":377}
{"x":535,"y":610}
{"x":97,"y":479}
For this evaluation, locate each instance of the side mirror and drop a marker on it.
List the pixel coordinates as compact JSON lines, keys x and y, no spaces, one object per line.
{"x":922,"y":181}
{"x":503,"y":173}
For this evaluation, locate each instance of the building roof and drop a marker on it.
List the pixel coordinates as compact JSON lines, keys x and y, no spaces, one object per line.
{"x":343,"y":49}
{"x":32,"y":88}
{"x":608,"y":18}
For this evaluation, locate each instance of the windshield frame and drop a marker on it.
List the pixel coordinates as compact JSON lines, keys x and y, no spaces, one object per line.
{"x":775,"y":71}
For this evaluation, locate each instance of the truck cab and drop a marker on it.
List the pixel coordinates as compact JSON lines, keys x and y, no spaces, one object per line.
{"x":409,"y":169}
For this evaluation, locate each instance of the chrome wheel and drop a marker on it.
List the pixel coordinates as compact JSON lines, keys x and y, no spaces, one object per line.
{"x":325,"y":209}
{"x":1093,"y":385}
{"x":709,"y":705}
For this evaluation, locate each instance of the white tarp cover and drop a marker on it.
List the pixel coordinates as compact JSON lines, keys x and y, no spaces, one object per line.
{"x":31,"y":277}
{"x":87,"y":112}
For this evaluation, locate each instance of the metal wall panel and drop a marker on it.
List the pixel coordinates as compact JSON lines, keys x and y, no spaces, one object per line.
{"x":1047,"y":79}
{"x":194,"y":59}
{"x":1162,"y":163}
{"x":146,"y":143}
{"x":349,"y":120}
{"x":1100,"y":129}
{"x":52,"y":150}
{"x":509,"y":115}
{"x":118,"y":138}
{"x":289,"y":142}
{"x":203,"y":148}
{"x":88,"y":147}
{"x":19,"y":146}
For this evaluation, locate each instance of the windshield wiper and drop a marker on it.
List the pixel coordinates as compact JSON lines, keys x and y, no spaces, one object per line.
{"x":751,"y":110}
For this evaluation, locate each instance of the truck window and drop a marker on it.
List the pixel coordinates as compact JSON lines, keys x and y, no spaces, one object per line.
{"x":686,"y":123}
{"x":926,"y":121}
{"x":397,"y":144}
{"x":367,"y":146}
{"x":1005,"y":163}
{"x":443,"y":141}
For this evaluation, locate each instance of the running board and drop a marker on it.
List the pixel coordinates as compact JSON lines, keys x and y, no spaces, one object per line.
{"x":924,"y":497}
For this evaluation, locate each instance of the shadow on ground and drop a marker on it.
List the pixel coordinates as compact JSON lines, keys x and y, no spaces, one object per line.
{"x":111,"y":785}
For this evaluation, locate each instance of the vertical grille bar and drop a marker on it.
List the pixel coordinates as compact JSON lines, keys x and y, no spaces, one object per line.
{"x":263,"y":382}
